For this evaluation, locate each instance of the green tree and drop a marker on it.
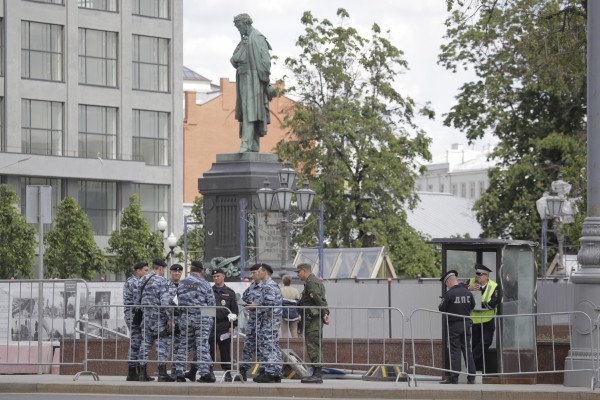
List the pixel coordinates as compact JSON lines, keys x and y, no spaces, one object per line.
{"x":17,"y":251}
{"x":195,"y":236}
{"x":529,"y":57}
{"x":353,"y":135}
{"x":71,"y":251}
{"x":133,"y":242}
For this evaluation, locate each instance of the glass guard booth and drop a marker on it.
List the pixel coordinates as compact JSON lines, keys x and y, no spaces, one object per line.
{"x":513,"y":265}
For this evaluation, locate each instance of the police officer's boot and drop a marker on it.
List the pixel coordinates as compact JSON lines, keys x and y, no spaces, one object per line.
{"x":191,"y":374}
{"x":207,"y":378}
{"x":162,"y":374}
{"x":132,"y":373}
{"x":143,"y":374}
{"x":173,"y":372}
{"x":316,"y":377}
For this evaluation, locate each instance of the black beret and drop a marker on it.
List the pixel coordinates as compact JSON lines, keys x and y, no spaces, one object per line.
{"x":140,"y":265}
{"x":448,"y":274}
{"x":218,"y":271}
{"x":158,"y":261}
{"x":197,"y":266}
{"x":483,"y":269}
{"x":176,"y":267}
{"x":255,"y":267}
{"x":268,"y":268}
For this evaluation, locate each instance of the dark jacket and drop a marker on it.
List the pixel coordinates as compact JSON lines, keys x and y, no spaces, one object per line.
{"x":224,"y":297}
{"x":457,"y":300}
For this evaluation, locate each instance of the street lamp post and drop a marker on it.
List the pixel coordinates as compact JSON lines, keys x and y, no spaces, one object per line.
{"x":560,"y":210}
{"x":171,"y":242}
{"x":280,"y":201}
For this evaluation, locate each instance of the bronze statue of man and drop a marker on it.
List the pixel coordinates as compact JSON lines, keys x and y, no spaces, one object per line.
{"x":252,"y":62}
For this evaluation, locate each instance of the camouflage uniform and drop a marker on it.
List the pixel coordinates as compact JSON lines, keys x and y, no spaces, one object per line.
{"x":313,"y":296}
{"x":174,"y":315}
{"x":194,"y":328}
{"x":156,"y":293}
{"x":268,"y":322}
{"x":130,"y":294}
{"x":251,"y":295}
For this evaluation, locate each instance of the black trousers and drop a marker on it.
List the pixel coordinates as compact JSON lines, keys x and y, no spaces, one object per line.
{"x":224,"y":350}
{"x":459,"y":337}
{"x":483,"y":334}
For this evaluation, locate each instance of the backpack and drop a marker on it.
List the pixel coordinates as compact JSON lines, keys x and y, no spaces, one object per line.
{"x":290,"y":313}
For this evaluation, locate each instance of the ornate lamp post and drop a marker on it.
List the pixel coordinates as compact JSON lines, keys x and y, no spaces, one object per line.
{"x":280,"y":201}
{"x":560,"y":210}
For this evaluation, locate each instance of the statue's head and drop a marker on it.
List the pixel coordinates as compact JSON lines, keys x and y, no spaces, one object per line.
{"x":242,"y":19}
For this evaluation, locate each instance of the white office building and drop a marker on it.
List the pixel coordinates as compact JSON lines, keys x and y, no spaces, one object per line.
{"x":460,"y":171}
{"x":90,"y":93}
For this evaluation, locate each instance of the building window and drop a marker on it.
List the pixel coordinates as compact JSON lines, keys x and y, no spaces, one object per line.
{"x":98,"y":57}
{"x":98,"y":200}
{"x":441,"y":188}
{"x":150,"y":63}
{"x":472,"y":190}
{"x":454,"y":189}
{"x":151,"y":8}
{"x":481,"y":188}
{"x":463,"y":190}
{"x":97,"y":132}
{"x":48,"y":1}
{"x":42,"y":127}
{"x":154,"y":202}
{"x":41,"y":51}
{"x":103,"y":5}
{"x":151,"y":137}
{"x":54,"y":200}
{"x":1,"y":47}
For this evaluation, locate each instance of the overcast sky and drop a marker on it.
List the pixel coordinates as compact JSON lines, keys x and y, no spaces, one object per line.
{"x":416,"y":27}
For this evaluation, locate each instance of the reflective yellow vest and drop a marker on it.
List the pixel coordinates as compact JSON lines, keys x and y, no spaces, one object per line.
{"x":480,"y":317}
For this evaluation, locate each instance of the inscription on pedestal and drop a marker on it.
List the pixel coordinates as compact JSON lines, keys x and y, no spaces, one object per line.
{"x":269,"y":237}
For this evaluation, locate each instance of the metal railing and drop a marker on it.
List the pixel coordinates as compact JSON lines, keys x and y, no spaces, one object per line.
{"x":517,"y":339}
{"x":63,"y":330}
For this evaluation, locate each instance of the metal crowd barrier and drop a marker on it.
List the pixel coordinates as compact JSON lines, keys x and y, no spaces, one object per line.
{"x":517,"y":339}
{"x":111,"y":335}
{"x":40,"y":325}
{"x":371,"y":346}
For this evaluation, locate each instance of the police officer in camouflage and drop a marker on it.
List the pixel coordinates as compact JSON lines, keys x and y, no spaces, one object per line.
{"x":154,"y":291}
{"x":460,"y":301}
{"x":250,"y":296}
{"x":175,"y":272}
{"x":130,"y":293}
{"x":268,"y":322}
{"x":314,"y":316}
{"x":194,"y":292}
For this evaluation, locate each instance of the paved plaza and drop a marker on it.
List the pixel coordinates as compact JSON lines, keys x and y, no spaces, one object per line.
{"x":332,"y":388}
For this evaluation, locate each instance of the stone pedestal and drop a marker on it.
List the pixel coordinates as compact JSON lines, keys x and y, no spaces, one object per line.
{"x":234,"y":177}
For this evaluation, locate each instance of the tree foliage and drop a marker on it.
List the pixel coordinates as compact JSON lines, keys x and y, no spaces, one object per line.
{"x":134,"y":242}
{"x":530,"y":60}
{"x":195,"y":235}
{"x":17,"y":251}
{"x":71,"y":251}
{"x":352,"y":134}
